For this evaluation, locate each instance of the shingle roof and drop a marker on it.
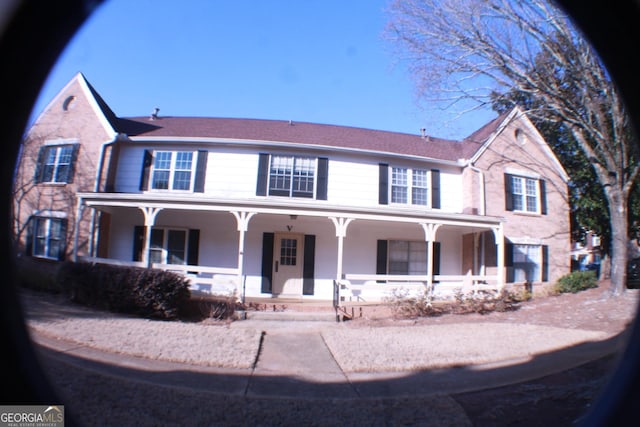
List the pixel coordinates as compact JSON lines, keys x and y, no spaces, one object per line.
{"x":300,"y":133}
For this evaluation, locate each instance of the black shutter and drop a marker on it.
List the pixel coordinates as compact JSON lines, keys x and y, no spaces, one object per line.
{"x":138,"y":242}
{"x":29,"y":240}
{"x":194,"y":247}
{"x":545,"y":263}
{"x":201,"y":169}
{"x":267,"y":262}
{"x":543,"y":197}
{"x":508,"y":192}
{"x":263,"y":177}
{"x":323,"y":174}
{"x":147,"y":160}
{"x":63,"y":235}
{"x":383,"y":187}
{"x":308,"y":269}
{"x":381,"y":258}
{"x":436,"y":258}
{"x":508,"y":261}
{"x":37,"y":176}
{"x":72,"y":167}
{"x":435,"y":189}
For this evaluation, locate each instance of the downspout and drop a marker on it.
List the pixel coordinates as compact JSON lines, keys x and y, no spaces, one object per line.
{"x":483,"y":198}
{"x":96,"y":189}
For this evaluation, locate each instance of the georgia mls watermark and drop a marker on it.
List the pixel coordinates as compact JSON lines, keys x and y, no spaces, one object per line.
{"x":31,"y":416}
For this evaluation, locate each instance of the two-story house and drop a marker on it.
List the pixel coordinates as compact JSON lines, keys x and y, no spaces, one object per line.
{"x":268,"y":208}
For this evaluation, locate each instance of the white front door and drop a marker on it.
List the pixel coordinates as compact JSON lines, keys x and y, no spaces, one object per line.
{"x":288,"y":253}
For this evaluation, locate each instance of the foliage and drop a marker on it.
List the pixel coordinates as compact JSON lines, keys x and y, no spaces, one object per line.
{"x":576,"y":282}
{"x":143,"y":292}
{"x":37,"y":274}
{"x":214,"y":308}
{"x":481,"y":302}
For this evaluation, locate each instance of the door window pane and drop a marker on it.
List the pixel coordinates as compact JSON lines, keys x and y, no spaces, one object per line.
{"x":288,"y":251}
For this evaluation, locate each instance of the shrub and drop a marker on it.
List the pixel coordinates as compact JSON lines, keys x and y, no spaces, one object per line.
{"x":36,"y":274}
{"x":482,"y":302}
{"x":216,"y":308}
{"x":143,"y":292}
{"x":576,"y":282}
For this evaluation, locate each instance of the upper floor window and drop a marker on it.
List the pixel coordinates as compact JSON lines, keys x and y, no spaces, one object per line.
{"x":409,"y":186}
{"x":56,"y":163}
{"x":46,"y":237}
{"x":525,"y":194}
{"x":292,"y":176}
{"x":174,"y":170}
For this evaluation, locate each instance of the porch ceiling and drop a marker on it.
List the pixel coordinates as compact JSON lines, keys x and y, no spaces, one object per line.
{"x":283,"y":207}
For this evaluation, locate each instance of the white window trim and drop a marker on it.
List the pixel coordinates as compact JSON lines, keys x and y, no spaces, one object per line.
{"x":48,"y":238}
{"x":409,"y":201}
{"x":538,"y":207}
{"x":165,"y":242}
{"x":294,"y":157}
{"x":172,"y":171}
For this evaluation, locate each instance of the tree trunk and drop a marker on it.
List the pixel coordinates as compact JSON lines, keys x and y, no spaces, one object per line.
{"x":619,"y":243}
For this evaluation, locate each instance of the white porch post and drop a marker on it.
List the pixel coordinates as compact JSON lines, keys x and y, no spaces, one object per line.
{"x":341,"y":225}
{"x":242,"y":219}
{"x":498,"y":232}
{"x":76,"y":228}
{"x":430,"y":230}
{"x":150,"y":215}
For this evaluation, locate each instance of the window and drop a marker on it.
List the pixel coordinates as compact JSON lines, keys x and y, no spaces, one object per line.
{"x":407,"y":257}
{"x":168,"y":246}
{"x":409,"y":186}
{"x":46,"y":237}
{"x":288,"y":251}
{"x":292,"y":176}
{"x":526,"y":263}
{"x":172,"y":170}
{"x":56,"y":163}
{"x":525,"y":194}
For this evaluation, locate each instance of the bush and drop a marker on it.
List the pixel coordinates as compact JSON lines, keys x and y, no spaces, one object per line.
{"x":215,"y":308}
{"x":37,"y":274}
{"x":148,"y":293}
{"x":482,"y":302}
{"x":576,"y":282}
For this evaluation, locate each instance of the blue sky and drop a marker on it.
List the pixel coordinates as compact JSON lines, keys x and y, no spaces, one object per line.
{"x":322,"y":61}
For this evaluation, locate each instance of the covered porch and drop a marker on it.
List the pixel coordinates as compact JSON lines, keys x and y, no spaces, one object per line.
{"x":300,"y":250}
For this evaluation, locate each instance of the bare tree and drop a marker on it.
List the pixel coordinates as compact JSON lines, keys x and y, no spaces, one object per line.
{"x":473,"y":50}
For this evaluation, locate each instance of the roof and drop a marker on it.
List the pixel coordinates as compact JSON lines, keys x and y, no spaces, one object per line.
{"x":299,"y":133}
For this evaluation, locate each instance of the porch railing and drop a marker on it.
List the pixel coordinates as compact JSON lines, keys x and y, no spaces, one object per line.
{"x":202,"y":279}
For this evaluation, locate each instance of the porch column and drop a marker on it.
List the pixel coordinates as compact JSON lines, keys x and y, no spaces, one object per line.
{"x":498,"y":233}
{"x":242,"y":219}
{"x":341,"y":225}
{"x":76,"y":228}
{"x":430,"y":230}
{"x":150,"y":215}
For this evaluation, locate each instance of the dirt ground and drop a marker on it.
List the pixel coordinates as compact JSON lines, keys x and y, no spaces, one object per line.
{"x":556,"y":400}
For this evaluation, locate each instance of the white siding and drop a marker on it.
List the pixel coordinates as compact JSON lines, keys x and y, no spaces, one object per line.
{"x":231,"y":174}
{"x":352,"y":183}
{"x":129,"y":169}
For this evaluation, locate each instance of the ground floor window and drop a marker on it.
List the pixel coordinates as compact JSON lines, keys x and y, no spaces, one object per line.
{"x":527,"y":263}
{"x":168,"y":246}
{"x":47,"y":237}
{"x":407,"y":257}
